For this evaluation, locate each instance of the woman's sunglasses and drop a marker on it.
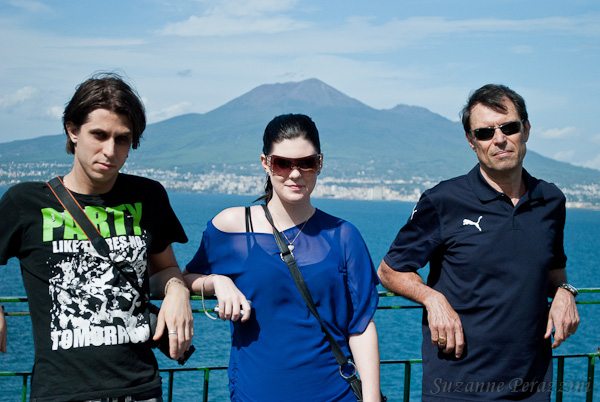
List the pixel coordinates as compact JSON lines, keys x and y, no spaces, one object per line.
{"x":487,"y":133}
{"x":283,"y":166}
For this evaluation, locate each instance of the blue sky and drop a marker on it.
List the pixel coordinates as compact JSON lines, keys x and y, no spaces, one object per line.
{"x":188,"y":56}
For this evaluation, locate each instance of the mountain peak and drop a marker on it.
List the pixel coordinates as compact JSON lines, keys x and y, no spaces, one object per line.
{"x":311,"y":91}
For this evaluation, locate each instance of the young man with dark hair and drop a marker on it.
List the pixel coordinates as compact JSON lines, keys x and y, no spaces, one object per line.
{"x":90,"y":319}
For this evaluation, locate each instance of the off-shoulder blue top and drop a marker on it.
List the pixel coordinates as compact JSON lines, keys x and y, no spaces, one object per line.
{"x":281,"y":354}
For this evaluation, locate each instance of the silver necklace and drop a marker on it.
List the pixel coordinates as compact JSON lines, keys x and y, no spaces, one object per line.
{"x":291,"y":243}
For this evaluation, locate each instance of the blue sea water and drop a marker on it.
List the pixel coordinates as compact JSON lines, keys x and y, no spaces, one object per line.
{"x":399,"y":330}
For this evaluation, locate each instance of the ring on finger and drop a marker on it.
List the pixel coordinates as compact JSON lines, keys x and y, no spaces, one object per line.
{"x":442,"y":340}
{"x":172,"y":332}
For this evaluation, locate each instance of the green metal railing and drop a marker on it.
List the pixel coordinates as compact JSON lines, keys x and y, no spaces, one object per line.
{"x":559,"y":390}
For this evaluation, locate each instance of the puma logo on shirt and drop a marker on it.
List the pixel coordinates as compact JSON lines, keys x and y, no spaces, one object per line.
{"x":467,"y":222}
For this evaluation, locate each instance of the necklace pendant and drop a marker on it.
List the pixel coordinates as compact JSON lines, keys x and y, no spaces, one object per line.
{"x":291,"y":248}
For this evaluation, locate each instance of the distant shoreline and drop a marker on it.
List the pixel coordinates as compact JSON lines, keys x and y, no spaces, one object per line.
{"x":360,"y":189}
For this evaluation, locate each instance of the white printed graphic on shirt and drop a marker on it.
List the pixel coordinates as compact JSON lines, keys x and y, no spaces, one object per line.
{"x":92,"y":304}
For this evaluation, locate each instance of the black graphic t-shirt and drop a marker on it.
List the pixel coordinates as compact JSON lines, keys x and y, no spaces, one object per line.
{"x":89,"y":323}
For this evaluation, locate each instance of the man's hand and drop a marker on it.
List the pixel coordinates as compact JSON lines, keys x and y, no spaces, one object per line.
{"x":563,"y":317}
{"x":175,"y":316}
{"x":445,"y":325}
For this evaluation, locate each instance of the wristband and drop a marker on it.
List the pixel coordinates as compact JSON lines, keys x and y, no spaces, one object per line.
{"x":202,"y":297}
{"x":172,"y":280}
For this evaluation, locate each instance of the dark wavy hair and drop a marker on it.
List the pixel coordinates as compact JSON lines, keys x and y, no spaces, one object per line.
{"x":105,"y":91}
{"x":287,"y":127}
{"x":494,"y":97}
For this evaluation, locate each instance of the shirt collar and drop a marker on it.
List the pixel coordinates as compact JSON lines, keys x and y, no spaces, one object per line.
{"x":487,"y":193}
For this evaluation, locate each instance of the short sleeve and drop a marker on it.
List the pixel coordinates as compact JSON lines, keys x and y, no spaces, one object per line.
{"x":559,"y":260}
{"x":362,"y":279}
{"x":169,"y":229}
{"x":199,"y":264}
{"x":214,"y":255}
{"x":10,"y":227}
{"x":417,"y":240}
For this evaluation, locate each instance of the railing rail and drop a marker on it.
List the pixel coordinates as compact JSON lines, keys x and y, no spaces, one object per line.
{"x":559,"y":390}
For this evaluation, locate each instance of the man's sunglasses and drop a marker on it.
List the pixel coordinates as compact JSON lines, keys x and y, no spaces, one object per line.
{"x":487,"y":133}
{"x":283,"y":166}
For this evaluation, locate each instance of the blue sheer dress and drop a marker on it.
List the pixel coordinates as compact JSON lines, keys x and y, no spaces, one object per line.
{"x":281,"y":354}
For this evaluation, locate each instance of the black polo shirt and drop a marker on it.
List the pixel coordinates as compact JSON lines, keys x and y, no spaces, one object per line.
{"x":491,"y":260}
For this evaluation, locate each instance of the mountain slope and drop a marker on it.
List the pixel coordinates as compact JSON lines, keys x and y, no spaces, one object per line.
{"x":355,"y":137}
{"x":357,"y":140}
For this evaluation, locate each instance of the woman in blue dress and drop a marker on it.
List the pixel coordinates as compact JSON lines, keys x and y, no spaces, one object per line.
{"x":278,"y":350}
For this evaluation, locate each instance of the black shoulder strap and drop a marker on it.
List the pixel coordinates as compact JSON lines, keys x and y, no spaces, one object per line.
{"x":71,"y":205}
{"x":249,"y":227}
{"x":340,"y":357}
{"x":288,"y":258}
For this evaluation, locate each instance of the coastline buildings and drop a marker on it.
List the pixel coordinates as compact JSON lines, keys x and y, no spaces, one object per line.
{"x":220,"y":181}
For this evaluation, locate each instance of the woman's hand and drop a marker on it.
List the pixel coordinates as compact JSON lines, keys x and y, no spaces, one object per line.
{"x":233,"y":305}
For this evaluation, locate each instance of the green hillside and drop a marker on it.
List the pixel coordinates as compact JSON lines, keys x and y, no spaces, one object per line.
{"x":357,"y":140}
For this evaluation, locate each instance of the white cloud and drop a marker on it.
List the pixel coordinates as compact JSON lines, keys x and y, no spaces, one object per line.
{"x":415,"y":29}
{"x":54,"y":112}
{"x":565,"y":156}
{"x":33,"y":103}
{"x":356,"y":35}
{"x":593,"y":163}
{"x":558,"y":133}
{"x":17,"y":98}
{"x":381,"y":59}
{"x":170,"y":111}
{"x":252,"y":7}
{"x":30,"y":5}
{"x":236,"y":17}
{"x":523,"y":49}
{"x":581,"y":25}
{"x":100,"y":42}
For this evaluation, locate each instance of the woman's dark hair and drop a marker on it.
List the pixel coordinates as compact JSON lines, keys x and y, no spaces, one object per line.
{"x":287,"y":127}
{"x":494,"y":97}
{"x":105,"y":91}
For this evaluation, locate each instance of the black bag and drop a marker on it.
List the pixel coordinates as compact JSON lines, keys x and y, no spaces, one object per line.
{"x":69,"y":203}
{"x":288,"y":258}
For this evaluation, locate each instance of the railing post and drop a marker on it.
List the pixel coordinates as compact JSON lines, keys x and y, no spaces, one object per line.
{"x":24,"y":389}
{"x":205,"y":391}
{"x":589,"y":394}
{"x":407,"y":369}
{"x":560,"y":376}
{"x":170,"y":388}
